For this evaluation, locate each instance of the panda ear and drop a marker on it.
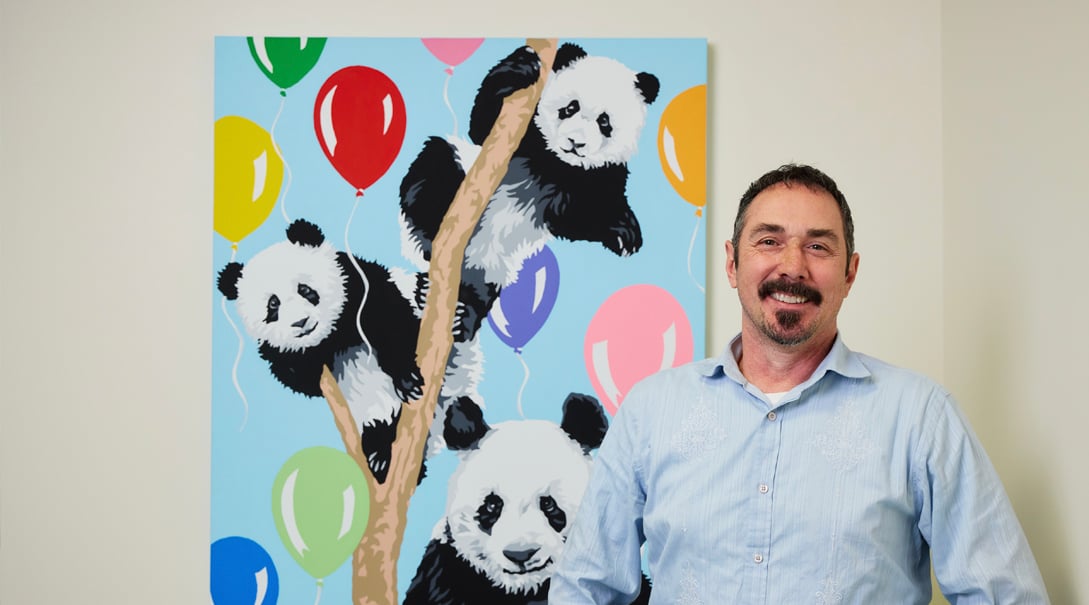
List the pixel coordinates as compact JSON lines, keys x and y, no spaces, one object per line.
{"x":464,"y":424}
{"x":584,"y":420}
{"x":647,"y":84}
{"x":566,"y":55}
{"x":228,"y":280}
{"x":305,"y":233}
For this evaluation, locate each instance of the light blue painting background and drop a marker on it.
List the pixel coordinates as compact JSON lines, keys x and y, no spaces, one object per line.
{"x":250,"y":445}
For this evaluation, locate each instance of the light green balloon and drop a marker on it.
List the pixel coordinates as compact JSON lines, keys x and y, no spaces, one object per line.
{"x":321,"y":504}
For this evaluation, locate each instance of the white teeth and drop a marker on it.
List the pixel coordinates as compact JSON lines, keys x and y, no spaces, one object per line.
{"x":794,"y":300}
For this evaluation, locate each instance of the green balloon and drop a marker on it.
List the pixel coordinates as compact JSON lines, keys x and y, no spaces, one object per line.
{"x":285,"y":60}
{"x":321,"y":503}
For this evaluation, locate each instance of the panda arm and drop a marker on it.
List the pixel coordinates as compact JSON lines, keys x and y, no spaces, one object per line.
{"x":428,"y":188}
{"x":595,"y":208}
{"x":300,"y":372}
{"x":516,"y":71}
{"x":393,"y":329}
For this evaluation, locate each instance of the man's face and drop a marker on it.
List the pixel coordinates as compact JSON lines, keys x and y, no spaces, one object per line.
{"x":790,"y":267}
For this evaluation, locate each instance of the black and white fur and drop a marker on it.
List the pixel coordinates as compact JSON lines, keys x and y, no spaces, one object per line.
{"x":567,"y":178}
{"x":509,"y":502}
{"x":299,"y":299}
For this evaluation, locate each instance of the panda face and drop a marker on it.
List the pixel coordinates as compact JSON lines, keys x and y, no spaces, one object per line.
{"x":290,"y":296}
{"x":511,"y":499}
{"x":591,"y":113}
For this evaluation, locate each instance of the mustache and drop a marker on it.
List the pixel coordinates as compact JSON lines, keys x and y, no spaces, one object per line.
{"x":790,"y":288}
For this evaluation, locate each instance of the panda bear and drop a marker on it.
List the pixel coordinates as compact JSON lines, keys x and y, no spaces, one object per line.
{"x":299,"y":299}
{"x":567,"y":178}
{"x":516,"y":488}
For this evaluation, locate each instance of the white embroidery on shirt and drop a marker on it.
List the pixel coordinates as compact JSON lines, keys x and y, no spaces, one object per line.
{"x":830,"y":595}
{"x":689,"y":592}
{"x":699,"y":433}
{"x":844,"y":444}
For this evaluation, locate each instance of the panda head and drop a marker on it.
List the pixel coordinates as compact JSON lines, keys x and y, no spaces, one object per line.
{"x":516,"y":490}
{"x":592,"y":109}
{"x":289,"y":295}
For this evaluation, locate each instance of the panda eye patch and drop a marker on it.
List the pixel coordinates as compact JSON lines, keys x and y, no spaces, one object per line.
{"x":489,"y":512}
{"x":605,"y":125}
{"x":309,"y":294}
{"x":273,"y":313}
{"x":552,"y":511}
{"x":571,"y":109}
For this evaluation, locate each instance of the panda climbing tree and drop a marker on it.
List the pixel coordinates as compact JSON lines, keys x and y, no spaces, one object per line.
{"x":374,"y":562}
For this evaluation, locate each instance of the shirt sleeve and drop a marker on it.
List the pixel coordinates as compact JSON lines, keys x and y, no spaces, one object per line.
{"x":978,"y":548}
{"x":601,"y":562}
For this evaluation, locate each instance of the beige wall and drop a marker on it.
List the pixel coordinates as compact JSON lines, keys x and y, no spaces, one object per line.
{"x":1016,"y":115}
{"x":949,"y":126}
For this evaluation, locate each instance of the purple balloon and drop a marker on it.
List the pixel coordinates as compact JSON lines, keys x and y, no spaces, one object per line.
{"x":523,"y":306}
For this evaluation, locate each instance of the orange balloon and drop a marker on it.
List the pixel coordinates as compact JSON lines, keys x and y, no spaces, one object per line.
{"x":682,"y":144}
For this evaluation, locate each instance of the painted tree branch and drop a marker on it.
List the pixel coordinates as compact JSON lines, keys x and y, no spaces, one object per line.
{"x":374,"y":562}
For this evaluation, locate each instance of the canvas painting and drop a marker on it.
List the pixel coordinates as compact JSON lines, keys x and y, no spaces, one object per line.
{"x":439,"y":264}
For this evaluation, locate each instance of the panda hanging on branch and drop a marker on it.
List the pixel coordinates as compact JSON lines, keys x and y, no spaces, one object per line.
{"x":299,"y":299}
{"x":567,"y":178}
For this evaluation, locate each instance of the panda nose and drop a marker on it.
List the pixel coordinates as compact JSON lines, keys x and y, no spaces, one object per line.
{"x":299,"y":324}
{"x":520,"y":556}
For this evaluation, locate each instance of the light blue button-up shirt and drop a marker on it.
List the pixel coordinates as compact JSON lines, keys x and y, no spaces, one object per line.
{"x":842,"y":492}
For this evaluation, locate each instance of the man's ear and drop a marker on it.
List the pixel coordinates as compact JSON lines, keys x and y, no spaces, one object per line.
{"x":731,"y":263}
{"x":852,"y":271}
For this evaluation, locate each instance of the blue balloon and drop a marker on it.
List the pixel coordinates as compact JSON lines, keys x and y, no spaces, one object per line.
{"x":522,"y":307}
{"x":243,"y":573}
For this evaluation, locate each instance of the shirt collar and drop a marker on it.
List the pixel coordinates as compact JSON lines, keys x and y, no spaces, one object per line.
{"x":840,"y":360}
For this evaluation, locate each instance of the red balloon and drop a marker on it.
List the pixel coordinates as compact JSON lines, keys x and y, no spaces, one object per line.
{"x":359,"y":117}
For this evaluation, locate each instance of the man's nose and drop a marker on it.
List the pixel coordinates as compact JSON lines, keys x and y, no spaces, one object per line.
{"x":792,"y":262}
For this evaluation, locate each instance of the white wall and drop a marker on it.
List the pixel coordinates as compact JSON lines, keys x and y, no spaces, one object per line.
{"x":105,"y":236}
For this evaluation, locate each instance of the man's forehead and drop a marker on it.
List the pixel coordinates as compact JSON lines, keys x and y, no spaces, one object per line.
{"x":797,"y":207}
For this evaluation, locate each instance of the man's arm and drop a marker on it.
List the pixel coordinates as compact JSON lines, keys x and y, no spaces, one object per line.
{"x":601,"y":561}
{"x":978,"y":548}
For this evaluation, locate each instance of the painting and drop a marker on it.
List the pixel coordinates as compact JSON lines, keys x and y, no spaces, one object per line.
{"x":439,"y":264}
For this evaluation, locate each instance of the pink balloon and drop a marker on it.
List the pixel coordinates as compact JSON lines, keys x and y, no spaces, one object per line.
{"x":452,"y":51}
{"x":637,"y":331}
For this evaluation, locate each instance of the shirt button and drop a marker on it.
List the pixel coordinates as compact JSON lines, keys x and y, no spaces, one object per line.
{"x":763,"y":488}
{"x":771,"y":416}
{"x":758,"y":558}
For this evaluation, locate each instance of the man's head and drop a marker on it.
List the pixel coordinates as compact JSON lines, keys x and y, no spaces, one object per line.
{"x":792,"y":256}
{"x":793,"y":175}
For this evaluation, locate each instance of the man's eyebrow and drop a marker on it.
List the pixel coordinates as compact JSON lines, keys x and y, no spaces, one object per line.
{"x":767,"y":228}
{"x":825,"y":233}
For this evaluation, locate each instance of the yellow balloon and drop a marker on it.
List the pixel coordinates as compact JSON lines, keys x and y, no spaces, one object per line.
{"x":682,"y":144}
{"x":248,"y":175}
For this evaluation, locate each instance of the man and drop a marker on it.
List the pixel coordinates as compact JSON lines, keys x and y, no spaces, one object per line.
{"x":792,"y":470}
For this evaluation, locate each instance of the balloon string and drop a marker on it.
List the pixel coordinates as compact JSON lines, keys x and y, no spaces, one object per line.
{"x":237,"y":360}
{"x":317,"y":599}
{"x":525,"y":381}
{"x":287,"y":169}
{"x":446,"y":98}
{"x":366,"y":284}
{"x":691,"y":245}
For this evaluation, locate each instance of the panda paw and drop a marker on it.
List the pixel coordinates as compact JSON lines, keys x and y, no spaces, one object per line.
{"x":625,"y":240}
{"x":464,"y":318}
{"x":410,"y":386}
{"x":519,"y":70}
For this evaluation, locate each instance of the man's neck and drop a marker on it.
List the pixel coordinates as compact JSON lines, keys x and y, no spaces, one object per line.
{"x":776,"y":368}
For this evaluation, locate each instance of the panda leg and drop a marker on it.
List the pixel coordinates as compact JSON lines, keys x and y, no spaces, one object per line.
{"x":377,"y":443}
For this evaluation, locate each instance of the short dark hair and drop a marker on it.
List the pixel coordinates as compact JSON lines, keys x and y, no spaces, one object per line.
{"x":790,"y":175}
